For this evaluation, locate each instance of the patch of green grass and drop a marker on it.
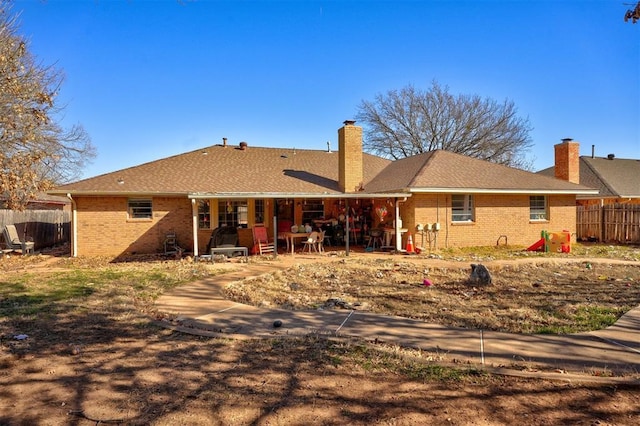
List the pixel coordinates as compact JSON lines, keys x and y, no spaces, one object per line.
{"x":597,"y":317}
{"x":428,"y":372}
{"x":383,"y":359}
{"x":596,"y":250}
{"x":27,"y":295}
{"x":584,"y":318}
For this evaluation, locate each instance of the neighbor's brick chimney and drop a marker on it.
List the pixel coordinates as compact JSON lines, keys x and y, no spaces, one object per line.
{"x":567,"y":160}
{"x":350,"y":173}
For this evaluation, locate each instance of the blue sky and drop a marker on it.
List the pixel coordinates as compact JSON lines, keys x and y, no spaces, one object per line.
{"x":150,"y":79}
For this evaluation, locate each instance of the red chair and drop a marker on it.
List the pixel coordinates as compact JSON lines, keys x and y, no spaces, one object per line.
{"x":261,"y":241}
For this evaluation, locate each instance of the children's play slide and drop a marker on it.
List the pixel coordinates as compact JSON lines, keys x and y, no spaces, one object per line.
{"x":555,"y":242}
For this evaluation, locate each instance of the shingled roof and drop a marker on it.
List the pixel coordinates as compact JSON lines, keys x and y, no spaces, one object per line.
{"x":445,"y":171}
{"x":225,"y":170}
{"x":228,"y":169}
{"x":613,"y":177}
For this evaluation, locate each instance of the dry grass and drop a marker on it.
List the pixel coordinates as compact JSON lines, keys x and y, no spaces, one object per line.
{"x":544,"y":297}
{"x":92,"y":356}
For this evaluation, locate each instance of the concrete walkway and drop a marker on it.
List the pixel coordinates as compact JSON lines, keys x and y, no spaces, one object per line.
{"x":200,"y":308}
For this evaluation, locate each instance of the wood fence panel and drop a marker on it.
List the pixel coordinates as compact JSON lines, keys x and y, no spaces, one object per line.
{"x":588,"y":222}
{"x":619,"y":223}
{"x":46,"y":227}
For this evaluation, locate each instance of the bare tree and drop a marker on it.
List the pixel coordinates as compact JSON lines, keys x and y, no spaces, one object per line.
{"x":406,"y":122}
{"x":35,"y":151}
{"x":633,"y":14}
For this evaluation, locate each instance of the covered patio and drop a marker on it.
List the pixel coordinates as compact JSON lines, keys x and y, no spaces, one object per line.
{"x":347,"y":220}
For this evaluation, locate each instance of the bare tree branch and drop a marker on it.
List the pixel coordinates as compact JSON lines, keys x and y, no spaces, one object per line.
{"x":36,"y":151}
{"x":409,"y":121}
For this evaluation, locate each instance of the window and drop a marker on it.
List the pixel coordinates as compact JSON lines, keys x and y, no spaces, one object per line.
{"x":462,"y":208}
{"x":259,"y":211}
{"x":233,"y":213}
{"x":140,"y":209}
{"x":204,"y":214}
{"x":538,"y":207}
{"x":312,"y":208}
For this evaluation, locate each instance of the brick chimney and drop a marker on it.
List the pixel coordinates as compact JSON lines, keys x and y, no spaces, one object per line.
{"x":350,"y":173}
{"x":567,"y":160}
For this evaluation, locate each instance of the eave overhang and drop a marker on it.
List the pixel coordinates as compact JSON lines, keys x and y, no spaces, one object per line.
{"x":240,"y":195}
{"x":509,"y":191}
{"x":230,"y":195}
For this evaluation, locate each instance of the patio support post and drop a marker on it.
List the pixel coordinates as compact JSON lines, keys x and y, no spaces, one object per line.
{"x":194,"y":216}
{"x":396,"y":225}
{"x":346,"y":240}
{"x":275,"y":235}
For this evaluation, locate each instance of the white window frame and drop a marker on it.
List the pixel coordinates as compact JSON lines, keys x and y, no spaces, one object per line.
{"x":462,"y":210}
{"x":538,"y":208}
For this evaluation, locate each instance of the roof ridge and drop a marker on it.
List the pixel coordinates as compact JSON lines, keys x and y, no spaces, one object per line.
{"x":429,"y":155}
{"x":594,"y":170}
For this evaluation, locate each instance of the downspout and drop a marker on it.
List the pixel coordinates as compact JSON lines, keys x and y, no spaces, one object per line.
{"x":194,"y":220}
{"x":397,"y":224}
{"x":74,"y":228}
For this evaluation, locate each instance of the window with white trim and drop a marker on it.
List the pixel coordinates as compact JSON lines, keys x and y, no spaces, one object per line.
{"x":462,"y":208}
{"x":537,"y":207}
{"x":140,"y":208}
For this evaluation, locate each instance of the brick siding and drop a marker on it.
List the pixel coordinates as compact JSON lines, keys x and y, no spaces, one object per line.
{"x":495,"y":216}
{"x":105,"y":230}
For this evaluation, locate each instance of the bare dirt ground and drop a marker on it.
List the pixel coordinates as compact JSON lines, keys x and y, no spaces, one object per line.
{"x":94,"y":358}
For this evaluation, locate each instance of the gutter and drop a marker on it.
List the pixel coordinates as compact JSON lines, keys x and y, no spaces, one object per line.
{"x":505,"y":191}
{"x":341,"y":195}
{"x":74,"y":228}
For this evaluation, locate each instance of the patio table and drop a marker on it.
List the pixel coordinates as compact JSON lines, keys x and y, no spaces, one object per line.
{"x":290,"y":238}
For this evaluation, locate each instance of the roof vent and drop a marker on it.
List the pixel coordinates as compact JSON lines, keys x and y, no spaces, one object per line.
{"x":611,"y":156}
{"x":243,"y":145}
{"x":224,"y":142}
{"x":329,"y":147}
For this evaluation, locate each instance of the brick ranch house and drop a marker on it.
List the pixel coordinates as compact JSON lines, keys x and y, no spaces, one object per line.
{"x":474,"y":202}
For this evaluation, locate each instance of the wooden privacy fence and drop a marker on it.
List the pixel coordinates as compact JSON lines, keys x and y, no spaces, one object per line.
{"x":46,"y":227}
{"x":609,"y":223}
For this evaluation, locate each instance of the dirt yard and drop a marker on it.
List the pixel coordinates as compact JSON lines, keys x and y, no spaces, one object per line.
{"x":93,"y":357}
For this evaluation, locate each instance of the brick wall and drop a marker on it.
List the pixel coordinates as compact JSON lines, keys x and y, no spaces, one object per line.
{"x":105,"y":230}
{"x":495,"y":215}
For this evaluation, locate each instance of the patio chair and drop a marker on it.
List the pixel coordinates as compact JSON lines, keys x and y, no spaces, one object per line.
{"x":261,"y":240}
{"x":375,"y":238}
{"x":312,"y":242}
{"x":13,"y":242}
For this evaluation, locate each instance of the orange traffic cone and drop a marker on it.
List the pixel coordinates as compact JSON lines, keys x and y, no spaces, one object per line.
{"x":409,"y":244}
